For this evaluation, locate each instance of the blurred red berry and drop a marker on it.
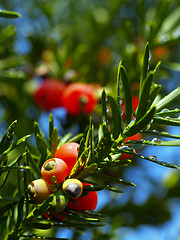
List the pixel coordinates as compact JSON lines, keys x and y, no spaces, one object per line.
{"x":79,"y":97}
{"x":48,"y":95}
{"x":104,"y":56}
{"x":160,"y":52}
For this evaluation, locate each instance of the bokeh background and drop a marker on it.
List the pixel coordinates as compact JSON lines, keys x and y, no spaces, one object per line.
{"x":84,"y":41}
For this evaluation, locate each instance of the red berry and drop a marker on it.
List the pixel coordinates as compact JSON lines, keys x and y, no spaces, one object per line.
{"x":136,"y":137}
{"x":87,"y":202}
{"x":77,"y":96}
{"x":54,"y":167}
{"x":68,"y":152}
{"x":135,"y":102}
{"x":48,"y":95}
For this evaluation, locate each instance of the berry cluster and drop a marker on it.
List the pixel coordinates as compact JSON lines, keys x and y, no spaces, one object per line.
{"x":68,"y":192}
{"x":74,"y":97}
